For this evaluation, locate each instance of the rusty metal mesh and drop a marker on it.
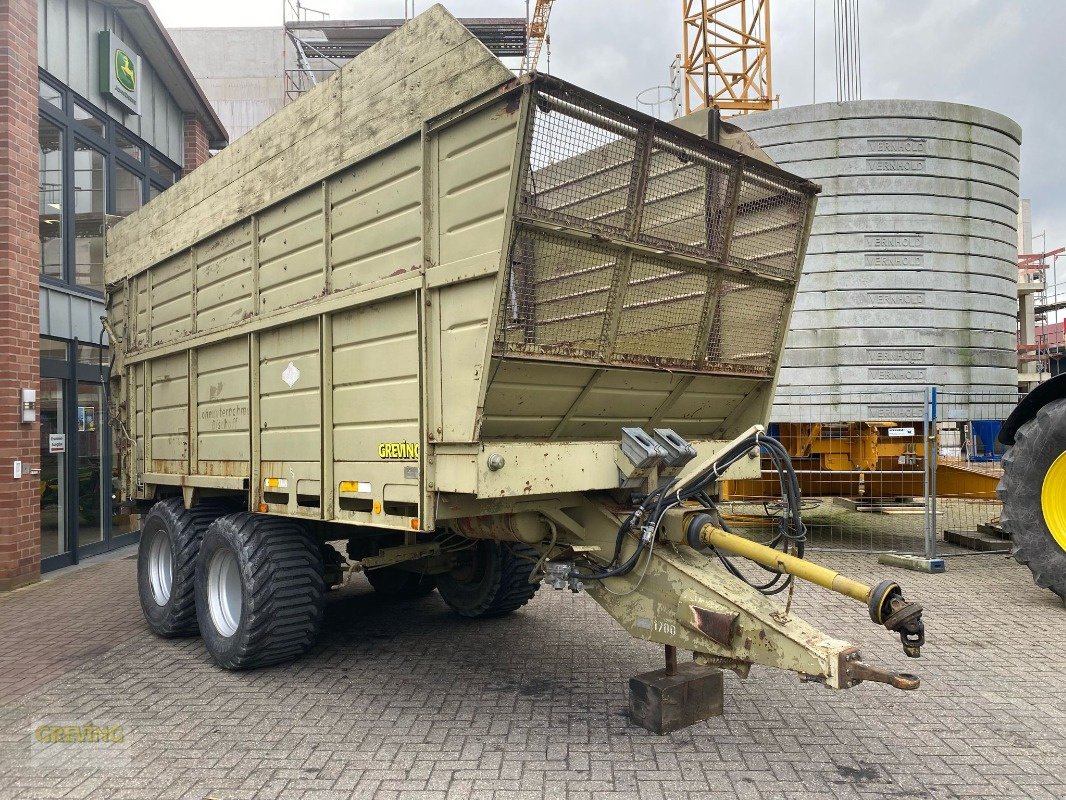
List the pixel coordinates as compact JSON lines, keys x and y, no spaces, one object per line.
{"x":748,"y":327}
{"x":661,"y":315}
{"x":585,"y":300}
{"x":580,"y":169}
{"x":639,"y":245}
{"x":557,"y":296}
{"x":766,"y":234}
{"x":685,"y":201}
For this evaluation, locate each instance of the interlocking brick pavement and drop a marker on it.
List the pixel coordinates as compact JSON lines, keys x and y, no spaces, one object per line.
{"x":403,"y":700}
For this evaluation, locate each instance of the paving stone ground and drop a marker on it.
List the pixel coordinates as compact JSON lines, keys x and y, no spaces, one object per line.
{"x":404,"y":700}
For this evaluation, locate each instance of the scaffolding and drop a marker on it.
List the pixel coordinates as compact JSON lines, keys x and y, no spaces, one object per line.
{"x":317,"y":46}
{"x":1039,"y":308}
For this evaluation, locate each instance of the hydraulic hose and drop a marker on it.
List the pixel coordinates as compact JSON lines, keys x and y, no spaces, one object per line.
{"x":649,"y":513}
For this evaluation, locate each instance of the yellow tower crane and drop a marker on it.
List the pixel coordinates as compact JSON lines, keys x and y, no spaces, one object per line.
{"x":538,"y":33}
{"x":726,"y":60}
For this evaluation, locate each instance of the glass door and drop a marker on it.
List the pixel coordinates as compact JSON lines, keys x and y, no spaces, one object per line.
{"x":79,"y":517}
{"x":89,"y":423}
{"x":53,"y":486}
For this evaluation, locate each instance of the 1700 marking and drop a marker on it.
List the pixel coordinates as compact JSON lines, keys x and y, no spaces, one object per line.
{"x":669,"y":628}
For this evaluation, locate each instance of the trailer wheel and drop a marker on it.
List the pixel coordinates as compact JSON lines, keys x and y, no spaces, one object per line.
{"x":400,"y":584}
{"x":260,"y":591}
{"x":490,"y":579}
{"x":1033,"y":491}
{"x":166,"y":562}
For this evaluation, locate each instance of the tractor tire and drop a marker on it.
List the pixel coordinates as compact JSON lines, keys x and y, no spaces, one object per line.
{"x":166,"y":563}
{"x":400,"y":584}
{"x":1033,"y":491}
{"x":260,"y":591}
{"x":490,"y":580}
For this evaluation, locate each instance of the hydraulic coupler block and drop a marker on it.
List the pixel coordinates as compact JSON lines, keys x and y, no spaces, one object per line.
{"x":678,"y":451}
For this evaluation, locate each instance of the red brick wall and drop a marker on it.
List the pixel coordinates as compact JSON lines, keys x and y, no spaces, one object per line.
{"x":196,"y":151}
{"x":20,"y":535}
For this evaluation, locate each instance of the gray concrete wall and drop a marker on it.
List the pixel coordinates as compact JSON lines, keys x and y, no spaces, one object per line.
{"x":241,"y":71}
{"x":911,"y":277}
{"x":67,"y":47}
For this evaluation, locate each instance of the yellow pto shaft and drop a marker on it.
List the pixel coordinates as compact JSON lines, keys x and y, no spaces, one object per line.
{"x":771,"y":558}
{"x":885,"y":601}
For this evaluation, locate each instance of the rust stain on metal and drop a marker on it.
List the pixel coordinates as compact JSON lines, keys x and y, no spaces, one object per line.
{"x":720,"y":628}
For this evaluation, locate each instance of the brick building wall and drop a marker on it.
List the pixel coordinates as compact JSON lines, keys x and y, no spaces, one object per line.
{"x":196,"y":149}
{"x":20,"y":536}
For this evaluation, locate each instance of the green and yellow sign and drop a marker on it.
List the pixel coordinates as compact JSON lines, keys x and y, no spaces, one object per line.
{"x":120,"y":71}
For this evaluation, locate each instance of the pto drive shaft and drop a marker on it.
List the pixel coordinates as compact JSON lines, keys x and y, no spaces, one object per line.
{"x":885,"y":601}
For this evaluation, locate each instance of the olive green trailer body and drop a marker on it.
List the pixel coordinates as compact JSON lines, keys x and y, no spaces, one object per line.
{"x":428,"y":300}
{"x":526,"y":270}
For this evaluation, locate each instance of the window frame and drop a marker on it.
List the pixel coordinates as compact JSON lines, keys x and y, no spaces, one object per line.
{"x":71,"y":129}
{"x":71,"y":252}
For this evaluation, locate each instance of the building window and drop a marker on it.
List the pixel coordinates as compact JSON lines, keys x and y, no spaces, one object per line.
{"x":49,"y":94}
{"x":50,"y":178}
{"x":77,"y":456}
{"x":95,"y":122}
{"x":129,"y":191}
{"x":53,"y":349}
{"x":161,"y":171}
{"x":128,"y":146}
{"x":92,"y":172}
{"x":90,"y":204}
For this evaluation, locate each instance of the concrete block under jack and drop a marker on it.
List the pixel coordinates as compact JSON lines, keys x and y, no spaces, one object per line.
{"x":916,"y":563}
{"x":663,"y":703}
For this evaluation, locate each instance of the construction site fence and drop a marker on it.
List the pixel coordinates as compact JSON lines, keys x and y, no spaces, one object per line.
{"x":910,"y":472}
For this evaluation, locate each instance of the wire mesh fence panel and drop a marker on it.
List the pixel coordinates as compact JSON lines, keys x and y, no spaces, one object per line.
{"x":969,"y":466}
{"x":862,"y":464}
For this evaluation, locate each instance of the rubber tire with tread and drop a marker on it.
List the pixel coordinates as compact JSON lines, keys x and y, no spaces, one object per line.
{"x":282,"y":590}
{"x":1037,"y":444}
{"x":500,"y":587}
{"x":185,"y":527}
{"x":400,"y":584}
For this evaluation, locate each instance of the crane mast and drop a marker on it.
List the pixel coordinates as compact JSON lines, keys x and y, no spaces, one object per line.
{"x":538,"y":33}
{"x":726,"y":57}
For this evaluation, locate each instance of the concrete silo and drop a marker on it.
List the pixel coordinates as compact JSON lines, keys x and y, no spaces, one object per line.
{"x":910,"y":278}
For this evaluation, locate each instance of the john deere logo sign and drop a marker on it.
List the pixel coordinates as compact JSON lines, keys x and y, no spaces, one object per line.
{"x":119,"y":68}
{"x":126,"y":72}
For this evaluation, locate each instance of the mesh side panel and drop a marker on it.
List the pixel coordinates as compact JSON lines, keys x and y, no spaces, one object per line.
{"x":561,"y":292}
{"x":686,"y":201}
{"x":747,"y":328}
{"x":557,"y":297}
{"x":768,"y":226}
{"x":660,"y":319}
{"x":579,"y":172}
{"x":636,"y":246}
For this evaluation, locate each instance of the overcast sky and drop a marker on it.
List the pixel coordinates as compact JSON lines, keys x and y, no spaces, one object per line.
{"x":1006,"y":56}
